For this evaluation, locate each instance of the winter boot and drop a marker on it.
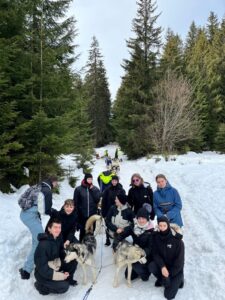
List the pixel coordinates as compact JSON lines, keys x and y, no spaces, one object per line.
{"x":24,"y":274}
{"x":107,"y":243}
{"x":73,"y":282}
{"x":158,"y":283}
{"x":41,"y":289}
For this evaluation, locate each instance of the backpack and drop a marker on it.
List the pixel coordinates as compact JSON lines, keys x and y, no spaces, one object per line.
{"x":30,"y":197}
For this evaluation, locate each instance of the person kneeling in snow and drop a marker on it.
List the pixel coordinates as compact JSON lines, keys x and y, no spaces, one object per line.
{"x":53,"y":275}
{"x":119,"y":220}
{"x":69,"y":219}
{"x":168,"y":256}
{"x":142,"y":236}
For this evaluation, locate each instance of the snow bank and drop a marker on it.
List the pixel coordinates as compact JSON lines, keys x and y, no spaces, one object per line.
{"x":200,"y":180}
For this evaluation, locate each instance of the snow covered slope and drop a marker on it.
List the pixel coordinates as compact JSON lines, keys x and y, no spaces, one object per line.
{"x":200,"y":180}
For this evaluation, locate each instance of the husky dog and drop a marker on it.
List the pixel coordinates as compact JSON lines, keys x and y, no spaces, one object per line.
{"x":127,"y":254}
{"x":84,"y":252}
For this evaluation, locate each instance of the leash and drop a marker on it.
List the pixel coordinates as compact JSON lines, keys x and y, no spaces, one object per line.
{"x":100,"y":269}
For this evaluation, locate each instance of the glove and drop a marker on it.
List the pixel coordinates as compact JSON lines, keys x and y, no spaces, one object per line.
{"x":143,"y":260}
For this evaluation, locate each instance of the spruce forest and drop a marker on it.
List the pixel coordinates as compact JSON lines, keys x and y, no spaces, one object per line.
{"x":171,"y":98}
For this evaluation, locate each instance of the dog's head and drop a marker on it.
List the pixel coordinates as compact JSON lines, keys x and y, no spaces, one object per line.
{"x":74,"y":251}
{"x":137,"y":254}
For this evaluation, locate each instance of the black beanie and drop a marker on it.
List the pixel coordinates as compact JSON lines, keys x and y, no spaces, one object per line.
{"x":143,"y":213}
{"x":122,"y":198}
{"x":163,"y":219}
{"x":86,"y":176}
{"x":115,"y":177}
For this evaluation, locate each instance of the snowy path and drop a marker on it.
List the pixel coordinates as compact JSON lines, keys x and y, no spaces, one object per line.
{"x":199,"y":179}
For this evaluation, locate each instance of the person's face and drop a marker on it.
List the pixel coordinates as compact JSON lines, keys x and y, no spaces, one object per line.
{"x":68,"y":209}
{"x":55,"y":184}
{"x":163,"y":226}
{"x":55,"y":230}
{"x":114,"y":182}
{"x":142,"y":221}
{"x":117,"y":202}
{"x":136,"y":181}
{"x":161,"y":182}
{"x":89,"y":180}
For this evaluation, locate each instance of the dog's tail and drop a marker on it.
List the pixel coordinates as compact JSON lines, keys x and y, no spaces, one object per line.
{"x":90,"y":222}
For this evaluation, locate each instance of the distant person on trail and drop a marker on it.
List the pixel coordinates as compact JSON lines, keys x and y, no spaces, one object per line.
{"x":168,"y":258}
{"x":53,"y":275}
{"x":31,"y":216}
{"x":69,"y":221}
{"x":108,"y":199}
{"x":86,"y":198}
{"x":140,"y":193}
{"x":167,"y":201}
{"x":105,"y":178}
{"x":108,"y":162}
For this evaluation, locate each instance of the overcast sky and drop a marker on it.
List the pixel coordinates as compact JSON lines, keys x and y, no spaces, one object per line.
{"x":110,"y":21}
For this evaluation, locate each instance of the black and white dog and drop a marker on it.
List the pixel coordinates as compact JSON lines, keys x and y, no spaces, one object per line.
{"x":84,"y":252}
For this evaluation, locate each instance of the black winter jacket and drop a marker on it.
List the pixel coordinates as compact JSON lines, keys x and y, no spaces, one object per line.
{"x":138,"y":195}
{"x":47,"y":250}
{"x":69,"y":224}
{"x":86,"y":200}
{"x":144,"y":241}
{"x":108,"y":197}
{"x":169,"y":251}
{"x":46,"y":189}
{"x":127,"y":217}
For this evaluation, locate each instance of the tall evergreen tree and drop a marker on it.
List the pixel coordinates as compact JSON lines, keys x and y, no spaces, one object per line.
{"x":172,"y":56}
{"x":36,"y":68}
{"x":134,"y":101}
{"x":97,"y":95}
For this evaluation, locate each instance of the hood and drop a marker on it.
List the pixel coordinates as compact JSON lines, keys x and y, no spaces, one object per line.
{"x":167,"y":187}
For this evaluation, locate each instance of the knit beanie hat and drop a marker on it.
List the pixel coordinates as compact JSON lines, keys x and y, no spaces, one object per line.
{"x":115,"y":177}
{"x":122,"y":198}
{"x":143,"y":213}
{"x":163,"y":219}
{"x":86,"y":176}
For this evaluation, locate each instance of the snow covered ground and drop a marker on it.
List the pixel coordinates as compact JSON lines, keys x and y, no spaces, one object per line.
{"x":200,"y":180}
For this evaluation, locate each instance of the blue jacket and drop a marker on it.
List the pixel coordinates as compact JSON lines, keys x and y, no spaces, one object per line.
{"x":167,"y":202}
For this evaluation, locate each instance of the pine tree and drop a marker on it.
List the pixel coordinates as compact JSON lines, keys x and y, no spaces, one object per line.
{"x":172,"y":56}
{"x":97,"y":95}
{"x":40,"y":81}
{"x":134,"y":101}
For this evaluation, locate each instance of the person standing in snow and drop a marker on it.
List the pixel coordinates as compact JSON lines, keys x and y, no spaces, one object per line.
{"x":31,"y":219}
{"x":108,"y":199}
{"x":119,"y":220}
{"x":168,"y":259}
{"x":53,"y":275}
{"x":140,"y":193}
{"x":86,"y":198}
{"x":166,"y":201}
{"x":142,"y":234}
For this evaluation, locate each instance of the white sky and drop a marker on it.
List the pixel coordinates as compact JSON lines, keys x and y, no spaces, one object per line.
{"x":111,"y":20}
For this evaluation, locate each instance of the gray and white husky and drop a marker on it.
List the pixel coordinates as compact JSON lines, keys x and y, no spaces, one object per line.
{"x":84,"y":252}
{"x":127,"y":254}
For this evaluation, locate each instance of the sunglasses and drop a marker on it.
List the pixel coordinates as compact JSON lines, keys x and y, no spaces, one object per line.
{"x":136,"y":180}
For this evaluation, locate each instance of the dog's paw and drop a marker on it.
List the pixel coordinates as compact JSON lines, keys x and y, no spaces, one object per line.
{"x":115,"y":284}
{"x":129,"y":284}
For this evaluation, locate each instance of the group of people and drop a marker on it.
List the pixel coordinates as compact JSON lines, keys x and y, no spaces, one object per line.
{"x":124,"y":215}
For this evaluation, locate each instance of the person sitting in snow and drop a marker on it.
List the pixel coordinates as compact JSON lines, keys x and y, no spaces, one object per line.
{"x":142,"y":234}
{"x":119,"y":220}
{"x":108,"y":199}
{"x":53,"y":275}
{"x":166,"y":201}
{"x":168,"y":258}
{"x":68,"y":217}
{"x":140,"y":193}
{"x":86,"y":198}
